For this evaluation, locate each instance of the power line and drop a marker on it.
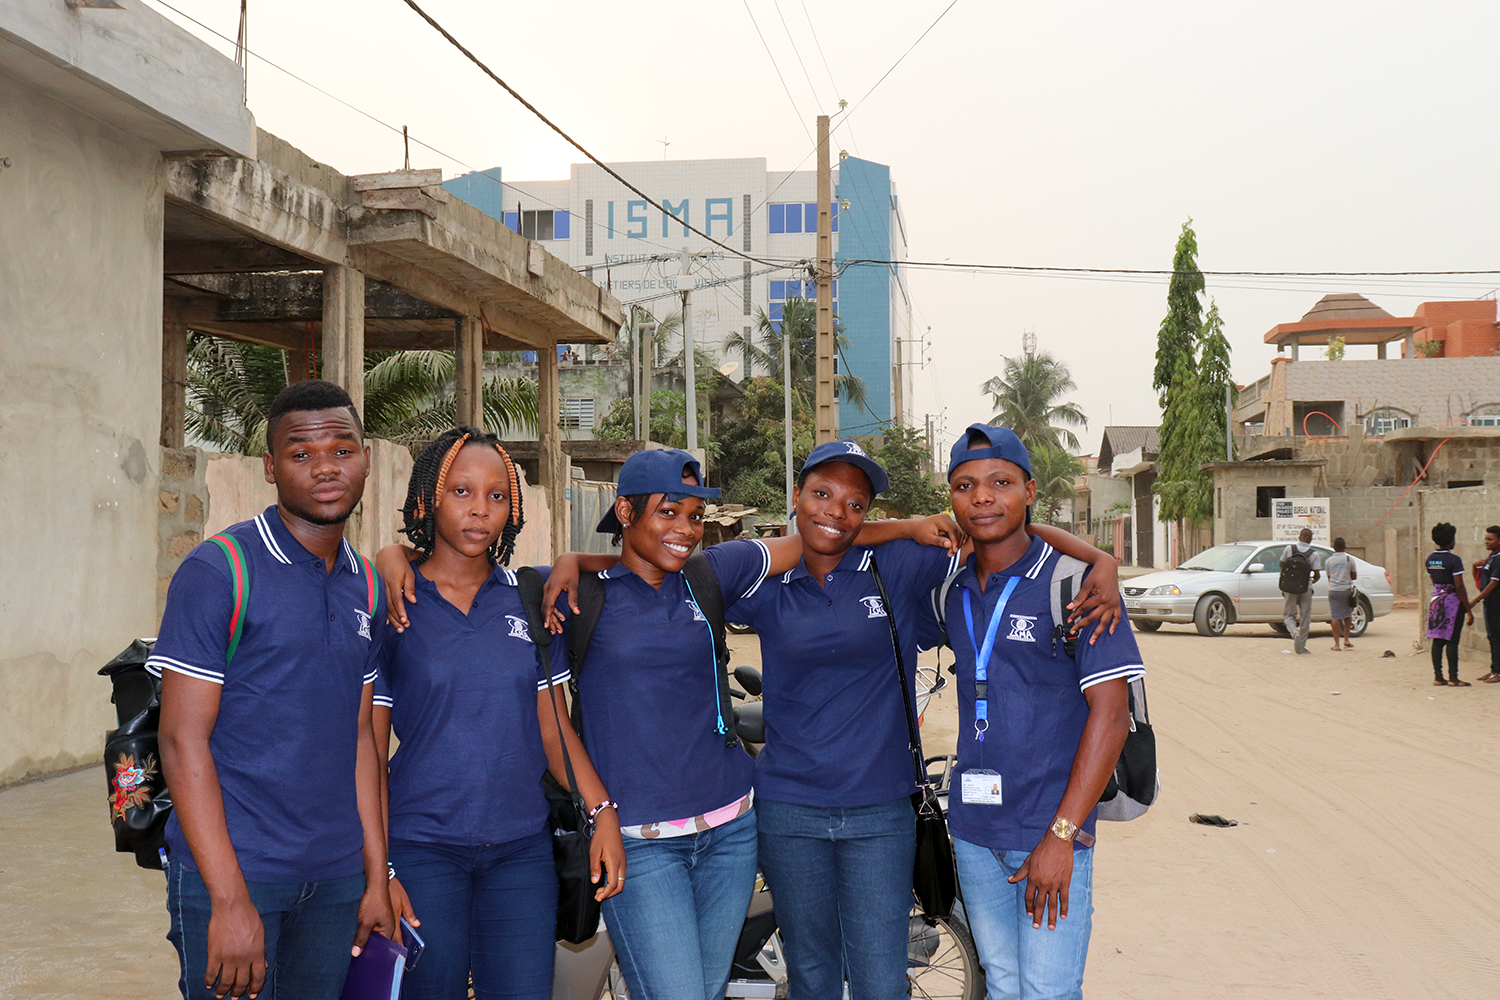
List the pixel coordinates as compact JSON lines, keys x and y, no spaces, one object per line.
{"x":777,"y":68}
{"x":898,"y":62}
{"x":957,"y":266}
{"x":796,"y":52}
{"x":571,"y":141}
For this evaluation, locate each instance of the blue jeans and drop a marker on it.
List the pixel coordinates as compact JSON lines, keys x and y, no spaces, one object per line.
{"x":490,"y":909}
{"x":677,"y":921}
{"x":841,"y":881}
{"x":1022,"y":962}
{"x":309,"y":930}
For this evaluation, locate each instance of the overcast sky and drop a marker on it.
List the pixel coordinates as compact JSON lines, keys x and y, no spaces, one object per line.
{"x":1298,"y":136}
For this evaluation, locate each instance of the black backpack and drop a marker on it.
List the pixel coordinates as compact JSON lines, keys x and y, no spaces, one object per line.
{"x":1296,"y":572}
{"x":1136,"y":783}
{"x":703,"y":588}
{"x":139,"y":802}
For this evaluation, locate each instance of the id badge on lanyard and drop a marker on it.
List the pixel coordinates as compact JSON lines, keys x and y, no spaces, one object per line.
{"x":982,"y":786}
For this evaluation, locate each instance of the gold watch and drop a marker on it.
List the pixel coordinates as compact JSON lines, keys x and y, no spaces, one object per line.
{"x":1065,"y":829}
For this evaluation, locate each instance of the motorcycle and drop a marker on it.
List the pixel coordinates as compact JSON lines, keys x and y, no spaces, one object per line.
{"x":941,"y":960}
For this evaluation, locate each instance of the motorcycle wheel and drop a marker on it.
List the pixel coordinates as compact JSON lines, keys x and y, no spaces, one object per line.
{"x":941,"y":960}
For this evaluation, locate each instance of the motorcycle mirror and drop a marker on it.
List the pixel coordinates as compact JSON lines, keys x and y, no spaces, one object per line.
{"x":749,"y":679}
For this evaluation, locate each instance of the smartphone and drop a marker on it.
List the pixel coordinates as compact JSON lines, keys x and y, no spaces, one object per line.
{"x":414,"y":944}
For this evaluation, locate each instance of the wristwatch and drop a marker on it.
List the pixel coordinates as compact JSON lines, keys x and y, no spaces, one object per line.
{"x":1065,"y":829}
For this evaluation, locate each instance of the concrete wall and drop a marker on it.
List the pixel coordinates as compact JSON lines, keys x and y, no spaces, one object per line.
{"x":1469,"y":510}
{"x":80,"y":362}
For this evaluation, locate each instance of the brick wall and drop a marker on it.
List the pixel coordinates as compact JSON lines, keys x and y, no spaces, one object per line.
{"x":1469,"y":510}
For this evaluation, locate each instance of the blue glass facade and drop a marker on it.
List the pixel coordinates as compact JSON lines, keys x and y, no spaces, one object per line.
{"x":481,"y":189}
{"x":865,"y":299}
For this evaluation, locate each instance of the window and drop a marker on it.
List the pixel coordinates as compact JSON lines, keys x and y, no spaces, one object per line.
{"x":578,"y":414}
{"x":798,"y":217}
{"x":1383,"y":420}
{"x":1458,"y":484}
{"x":544,"y":224}
{"x":1270,"y":558}
{"x":1487,"y":415}
{"x":1263,"y":497}
{"x":781,"y":291}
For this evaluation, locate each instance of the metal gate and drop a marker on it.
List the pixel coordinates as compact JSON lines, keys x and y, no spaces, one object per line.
{"x":589,"y":501}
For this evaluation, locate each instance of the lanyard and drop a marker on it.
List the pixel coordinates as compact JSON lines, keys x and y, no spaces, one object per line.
{"x":982,"y":662}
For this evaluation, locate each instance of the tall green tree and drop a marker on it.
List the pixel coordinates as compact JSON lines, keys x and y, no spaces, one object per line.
{"x":799,"y":321}
{"x":1193,"y":431}
{"x":1181,"y":327}
{"x":905,"y":452}
{"x":1055,"y":472}
{"x":408,"y":394}
{"x":1027,"y":397}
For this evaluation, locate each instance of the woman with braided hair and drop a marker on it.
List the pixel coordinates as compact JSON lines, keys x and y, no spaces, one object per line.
{"x":469,"y":702}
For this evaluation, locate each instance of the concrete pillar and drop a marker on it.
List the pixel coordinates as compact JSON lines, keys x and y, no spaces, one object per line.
{"x":344,"y":331}
{"x":1380,"y":350}
{"x":468,"y":370}
{"x":173,"y":382}
{"x":551,"y":463}
{"x":1411,"y":345}
{"x":1296,"y":343}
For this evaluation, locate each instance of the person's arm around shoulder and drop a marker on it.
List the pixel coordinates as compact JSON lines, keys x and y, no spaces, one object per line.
{"x":562,"y":578}
{"x":394,"y":564}
{"x":1099,"y":600}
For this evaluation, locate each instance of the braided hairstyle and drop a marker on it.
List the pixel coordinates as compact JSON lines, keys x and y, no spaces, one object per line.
{"x":429,"y":474}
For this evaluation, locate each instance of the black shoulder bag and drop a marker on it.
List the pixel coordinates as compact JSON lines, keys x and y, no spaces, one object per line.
{"x":934,"y":879}
{"x":567,"y":815}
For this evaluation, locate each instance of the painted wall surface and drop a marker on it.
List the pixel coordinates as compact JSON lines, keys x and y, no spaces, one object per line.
{"x":865,"y":292}
{"x":80,"y":365}
{"x":1470,"y":510}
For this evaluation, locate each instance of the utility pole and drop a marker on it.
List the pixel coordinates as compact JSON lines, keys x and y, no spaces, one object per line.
{"x":1228,"y":424}
{"x":786,"y":387}
{"x":635,"y":367}
{"x":685,"y":285}
{"x":827,"y":406}
{"x":643,"y":370}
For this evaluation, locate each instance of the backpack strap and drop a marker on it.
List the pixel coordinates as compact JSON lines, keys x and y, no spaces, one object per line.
{"x":529,"y":584}
{"x":372,"y":586}
{"x":239,"y":573}
{"x":940,"y":604}
{"x":1067,"y":580}
{"x":703,"y":587}
{"x":580,"y":630}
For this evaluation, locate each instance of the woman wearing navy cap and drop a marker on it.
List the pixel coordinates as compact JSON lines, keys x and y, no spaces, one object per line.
{"x":470,"y":702}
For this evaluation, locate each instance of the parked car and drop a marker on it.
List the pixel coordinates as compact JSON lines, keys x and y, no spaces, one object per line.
{"x":1238,"y":583}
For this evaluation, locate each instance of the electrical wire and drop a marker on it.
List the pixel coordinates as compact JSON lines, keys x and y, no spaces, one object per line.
{"x":570,"y":140}
{"x":898,"y":62}
{"x":796,"y":52}
{"x":795,"y":110}
{"x":954,"y":265}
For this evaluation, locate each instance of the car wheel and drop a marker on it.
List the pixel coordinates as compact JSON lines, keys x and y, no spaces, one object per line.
{"x":1359,"y":618}
{"x":1279,"y":628}
{"x":1145,"y":626}
{"x":1211,"y":616}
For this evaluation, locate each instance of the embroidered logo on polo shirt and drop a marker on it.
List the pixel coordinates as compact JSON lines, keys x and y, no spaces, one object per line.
{"x":697,"y":615}
{"x":1020,"y":628}
{"x":874,"y":606}
{"x":518,"y":629}
{"x":364,"y":624}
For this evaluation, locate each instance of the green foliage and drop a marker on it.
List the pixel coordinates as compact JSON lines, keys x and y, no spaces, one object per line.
{"x":1192,"y":427}
{"x":799,"y":321}
{"x":750,"y":460}
{"x":1177,"y":337}
{"x":1025,"y":397}
{"x":1335,"y":349}
{"x":1054,"y":471}
{"x":903,"y":456}
{"x":408,"y":394}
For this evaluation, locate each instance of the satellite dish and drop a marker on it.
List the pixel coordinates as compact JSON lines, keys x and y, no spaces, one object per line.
{"x":729,"y":368}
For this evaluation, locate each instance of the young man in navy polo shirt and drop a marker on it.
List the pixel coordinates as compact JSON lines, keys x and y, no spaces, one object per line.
{"x":277,"y":870}
{"x":1039,"y":733}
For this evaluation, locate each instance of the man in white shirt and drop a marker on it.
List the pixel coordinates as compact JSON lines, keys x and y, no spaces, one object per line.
{"x":1296,"y":588}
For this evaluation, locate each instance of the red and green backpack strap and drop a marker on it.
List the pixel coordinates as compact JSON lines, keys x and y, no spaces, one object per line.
{"x":372,"y":585}
{"x":240,"y":575}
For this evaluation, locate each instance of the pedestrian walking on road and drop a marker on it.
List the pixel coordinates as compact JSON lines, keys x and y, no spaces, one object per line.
{"x":1449,"y":598}
{"x":1301,"y":567}
{"x":1341,"y":577}
{"x":1487,"y":571}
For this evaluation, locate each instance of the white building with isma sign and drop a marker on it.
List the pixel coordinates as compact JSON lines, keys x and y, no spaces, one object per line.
{"x":615,"y":237}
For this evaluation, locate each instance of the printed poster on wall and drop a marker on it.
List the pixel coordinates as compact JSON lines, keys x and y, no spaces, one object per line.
{"x":1289,"y":516}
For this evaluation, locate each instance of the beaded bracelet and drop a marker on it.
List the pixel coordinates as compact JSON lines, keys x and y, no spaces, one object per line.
{"x":606,"y":804}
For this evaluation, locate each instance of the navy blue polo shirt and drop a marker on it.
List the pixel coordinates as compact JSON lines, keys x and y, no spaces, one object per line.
{"x":462,"y":692}
{"x":835,"y":723}
{"x":1036,"y":705}
{"x":1443,"y":565}
{"x":285,"y":740}
{"x":1489,"y":571}
{"x":649,"y":696}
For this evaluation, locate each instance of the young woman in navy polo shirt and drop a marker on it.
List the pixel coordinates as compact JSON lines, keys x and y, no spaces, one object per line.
{"x":471,"y":706}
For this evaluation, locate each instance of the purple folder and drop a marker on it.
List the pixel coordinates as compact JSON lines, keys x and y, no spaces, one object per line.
{"x":375,"y":974}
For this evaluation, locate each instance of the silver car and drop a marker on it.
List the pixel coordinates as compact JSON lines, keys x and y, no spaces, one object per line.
{"x":1238,"y":583}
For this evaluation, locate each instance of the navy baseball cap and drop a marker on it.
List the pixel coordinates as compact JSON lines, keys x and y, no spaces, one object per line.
{"x":657,"y":470}
{"x":848,"y":450}
{"x":1001,"y":443}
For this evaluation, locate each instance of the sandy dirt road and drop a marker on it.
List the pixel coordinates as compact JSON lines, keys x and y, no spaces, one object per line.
{"x":1364,"y":865}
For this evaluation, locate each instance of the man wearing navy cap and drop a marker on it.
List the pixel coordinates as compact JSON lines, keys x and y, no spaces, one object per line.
{"x":1039,"y":733}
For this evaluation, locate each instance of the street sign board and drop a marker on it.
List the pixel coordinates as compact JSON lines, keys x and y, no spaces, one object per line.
{"x":1290,"y":515}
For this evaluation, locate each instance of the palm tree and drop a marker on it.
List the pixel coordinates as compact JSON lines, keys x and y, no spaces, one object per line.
{"x":1025,"y":397}
{"x":641,"y":323}
{"x":1054,"y":471}
{"x":799,"y":321}
{"x":408,"y":394}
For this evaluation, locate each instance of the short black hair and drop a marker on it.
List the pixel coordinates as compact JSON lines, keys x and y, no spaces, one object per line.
{"x":1338,"y":544}
{"x":1493,"y":529}
{"x":638,"y":502}
{"x":310,"y":394}
{"x":1444,"y":535}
